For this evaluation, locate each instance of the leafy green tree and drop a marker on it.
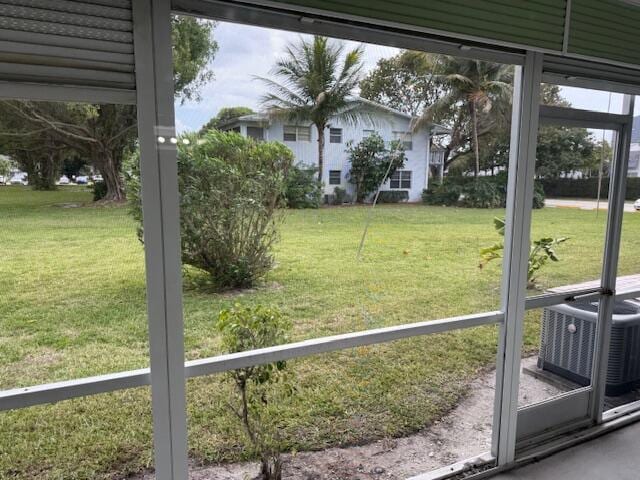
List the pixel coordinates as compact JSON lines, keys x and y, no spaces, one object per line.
{"x":372,"y":164}
{"x":481,"y":90}
{"x":258,"y":389}
{"x":5,"y":166}
{"x":404,"y":82}
{"x":105,"y":133}
{"x":225,"y":115}
{"x":313,"y":83}
{"x":563,"y":150}
{"x":39,"y":153}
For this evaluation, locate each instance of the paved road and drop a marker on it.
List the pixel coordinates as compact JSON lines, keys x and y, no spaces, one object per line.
{"x":582,"y":204}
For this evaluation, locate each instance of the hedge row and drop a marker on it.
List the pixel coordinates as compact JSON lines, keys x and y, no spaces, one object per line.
{"x":483,"y":192}
{"x":586,"y":187}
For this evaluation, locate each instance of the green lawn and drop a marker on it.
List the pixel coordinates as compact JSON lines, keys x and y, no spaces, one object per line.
{"x":73,"y":304}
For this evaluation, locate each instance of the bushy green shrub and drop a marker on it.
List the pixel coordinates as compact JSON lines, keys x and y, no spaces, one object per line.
{"x":259,"y":388}
{"x":482,"y":192}
{"x":230,"y":190}
{"x":538,"y":195}
{"x":99,"y":190}
{"x":393,"y":196}
{"x":340,"y":196}
{"x":303,"y":190}
{"x":372,"y":163}
{"x":445,"y":194}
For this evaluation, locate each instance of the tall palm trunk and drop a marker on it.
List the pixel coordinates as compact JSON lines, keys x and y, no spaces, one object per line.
{"x":321,"y":129}
{"x":474,"y":126}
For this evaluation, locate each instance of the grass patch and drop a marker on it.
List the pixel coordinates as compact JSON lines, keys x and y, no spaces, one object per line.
{"x":73,"y":305}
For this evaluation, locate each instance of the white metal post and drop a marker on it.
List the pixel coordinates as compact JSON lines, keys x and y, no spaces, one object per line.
{"x":617,"y":191}
{"x":522,"y":155}
{"x":158,"y":166}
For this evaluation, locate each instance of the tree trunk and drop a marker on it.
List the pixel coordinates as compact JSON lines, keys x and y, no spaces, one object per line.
{"x":476,"y":148}
{"x":108,"y":164}
{"x":321,"y":129}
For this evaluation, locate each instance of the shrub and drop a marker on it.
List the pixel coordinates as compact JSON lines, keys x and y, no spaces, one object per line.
{"x":303,"y":190}
{"x":340,"y":196}
{"x":538,"y":195}
{"x":586,"y":187}
{"x":541,"y":251}
{"x":372,"y":164}
{"x":393,"y":196}
{"x":482,"y":192}
{"x":257,"y":388}
{"x":99,"y":190}
{"x":230,"y":191}
{"x":446,"y":194}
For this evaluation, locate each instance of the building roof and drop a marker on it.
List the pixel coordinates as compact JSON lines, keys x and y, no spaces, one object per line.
{"x":263,"y":117}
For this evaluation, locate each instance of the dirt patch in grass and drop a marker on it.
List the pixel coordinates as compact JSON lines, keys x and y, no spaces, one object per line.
{"x":32,"y":365}
{"x":464,"y":433}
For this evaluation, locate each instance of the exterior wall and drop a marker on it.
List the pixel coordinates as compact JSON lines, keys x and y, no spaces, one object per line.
{"x":634,"y":160}
{"x":335,"y":156}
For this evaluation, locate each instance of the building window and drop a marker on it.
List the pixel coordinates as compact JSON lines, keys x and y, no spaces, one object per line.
{"x":405,"y":138}
{"x":257,"y":133}
{"x":234,"y":129}
{"x":334,"y":177}
{"x":634,"y":159}
{"x":368,"y":133}
{"x":401,"y":179}
{"x":296,"y":133}
{"x":335,"y":135}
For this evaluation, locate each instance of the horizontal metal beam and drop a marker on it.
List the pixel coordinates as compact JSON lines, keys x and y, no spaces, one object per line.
{"x":65,"y":93}
{"x":590,"y":83}
{"x":55,"y":392}
{"x":551,"y":299}
{"x":573,"y":117}
{"x":234,"y":361}
{"x":58,"y":391}
{"x":273,"y":17}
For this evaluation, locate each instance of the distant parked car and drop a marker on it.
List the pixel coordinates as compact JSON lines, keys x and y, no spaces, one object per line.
{"x":636,"y":204}
{"x":64,"y":180}
{"x":82,"y":180}
{"x":3,"y":180}
{"x":97,"y":178}
{"x":17,"y":180}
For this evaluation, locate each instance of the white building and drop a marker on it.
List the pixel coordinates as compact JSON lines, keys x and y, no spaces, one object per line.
{"x":634,"y":149}
{"x":390,"y":124}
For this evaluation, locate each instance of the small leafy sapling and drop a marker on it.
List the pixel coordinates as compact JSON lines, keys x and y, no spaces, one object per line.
{"x":541,"y":251}
{"x":258,"y":389}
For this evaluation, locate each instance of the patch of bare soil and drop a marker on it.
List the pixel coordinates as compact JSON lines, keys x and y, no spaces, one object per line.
{"x":463,"y":433}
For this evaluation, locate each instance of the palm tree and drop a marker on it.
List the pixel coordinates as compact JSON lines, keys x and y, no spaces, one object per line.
{"x":482,"y":89}
{"x":314,"y":82}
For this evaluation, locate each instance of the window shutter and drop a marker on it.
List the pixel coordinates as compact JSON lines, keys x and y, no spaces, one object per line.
{"x":605,"y":29}
{"x":85,"y":43}
{"x":537,"y":23}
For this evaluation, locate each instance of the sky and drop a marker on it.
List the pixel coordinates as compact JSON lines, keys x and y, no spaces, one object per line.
{"x":246,"y":52}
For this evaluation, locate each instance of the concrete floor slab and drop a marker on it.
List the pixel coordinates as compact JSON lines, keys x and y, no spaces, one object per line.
{"x":615,"y":456}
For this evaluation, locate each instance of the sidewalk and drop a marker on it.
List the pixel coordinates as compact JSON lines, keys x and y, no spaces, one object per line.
{"x":582,"y":204}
